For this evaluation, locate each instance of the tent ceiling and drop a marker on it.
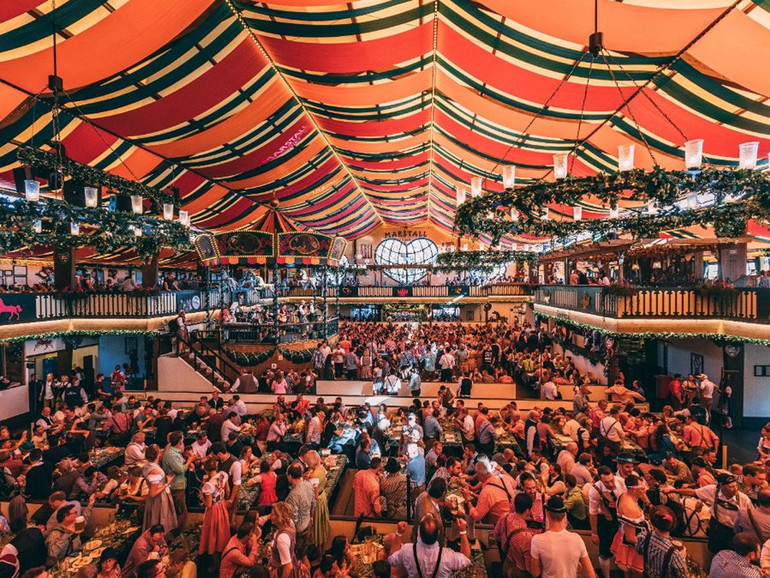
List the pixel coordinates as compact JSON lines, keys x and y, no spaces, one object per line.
{"x":370,"y":112}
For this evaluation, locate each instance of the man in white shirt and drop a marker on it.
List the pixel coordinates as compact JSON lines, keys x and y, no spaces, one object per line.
{"x":566,"y":458}
{"x":611,"y":431}
{"x":426,"y":557}
{"x":239,"y":406}
{"x":558,"y":553}
{"x":602,"y":510}
{"x":707,"y":388}
{"x":550,"y":391}
{"x":571,"y":428}
{"x":446,"y":363}
{"x":201,"y":445}
{"x":135,"y":450}
{"x":230,"y":425}
{"x":392,"y":384}
{"x":314,"y":430}
{"x":724,"y":508}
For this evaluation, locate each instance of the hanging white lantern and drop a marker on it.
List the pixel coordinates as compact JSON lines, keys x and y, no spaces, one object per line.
{"x":168,"y":211}
{"x":136,"y":204}
{"x":184,"y":218}
{"x":461,"y":194}
{"x":560,"y":165}
{"x":92,"y":196}
{"x":692,"y":202}
{"x":32,"y":190}
{"x":74,"y":228}
{"x":545,"y":216}
{"x":577,"y":213}
{"x":626,"y":157}
{"x":515,"y":246}
{"x":652,"y":208}
{"x":748,"y":155}
{"x":476,"y":187}
{"x":465,"y":246}
{"x":509,"y":176}
{"x":693,"y":154}
{"x":37,"y":226}
{"x":137,"y":230}
{"x":514,"y":214}
{"x":482,"y":247}
{"x":614,"y":213}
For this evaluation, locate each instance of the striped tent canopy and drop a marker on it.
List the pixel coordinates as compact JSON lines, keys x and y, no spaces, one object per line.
{"x":43,"y":254}
{"x":371,"y":112}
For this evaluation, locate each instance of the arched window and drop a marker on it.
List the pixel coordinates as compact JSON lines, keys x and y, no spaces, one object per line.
{"x":418,"y":251}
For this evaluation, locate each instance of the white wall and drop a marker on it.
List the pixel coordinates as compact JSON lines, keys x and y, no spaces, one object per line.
{"x":13,"y":402}
{"x":679,"y":351}
{"x":756,"y":390}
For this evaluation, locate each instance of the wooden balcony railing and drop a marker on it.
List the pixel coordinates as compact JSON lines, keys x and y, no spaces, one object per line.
{"x":748,"y":304}
{"x":416,"y":291}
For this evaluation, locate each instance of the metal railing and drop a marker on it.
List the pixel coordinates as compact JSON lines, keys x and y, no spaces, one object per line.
{"x":265,"y":333}
{"x":748,"y":304}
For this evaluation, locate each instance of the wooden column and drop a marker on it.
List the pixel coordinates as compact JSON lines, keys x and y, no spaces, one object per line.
{"x":150,"y":273}
{"x":64,"y":269}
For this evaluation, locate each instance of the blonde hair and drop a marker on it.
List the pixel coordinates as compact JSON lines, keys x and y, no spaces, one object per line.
{"x":312,"y":459}
{"x":283,"y":514}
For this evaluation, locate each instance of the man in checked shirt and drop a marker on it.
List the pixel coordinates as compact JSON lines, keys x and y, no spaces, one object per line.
{"x":661,"y":558}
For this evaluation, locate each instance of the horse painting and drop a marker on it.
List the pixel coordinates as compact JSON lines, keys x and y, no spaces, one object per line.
{"x":11,"y":310}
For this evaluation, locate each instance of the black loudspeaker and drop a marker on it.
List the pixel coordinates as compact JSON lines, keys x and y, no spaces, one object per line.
{"x":120,"y":202}
{"x":74,"y":194}
{"x":21,"y":174}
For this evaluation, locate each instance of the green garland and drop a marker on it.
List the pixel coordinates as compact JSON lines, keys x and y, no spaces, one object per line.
{"x":80,"y":333}
{"x":114,"y":230}
{"x":91,"y":175}
{"x":247,"y":358}
{"x":719,"y":339}
{"x":481,"y":260}
{"x":482,"y":215}
{"x":297,"y":355}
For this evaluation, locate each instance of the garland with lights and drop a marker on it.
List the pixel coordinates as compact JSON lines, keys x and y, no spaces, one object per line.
{"x":717,"y":339}
{"x":80,"y":333}
{"x":485,"y":214}
{"x":484,"y":261}
{"x":91,"y":175}
{"x":250,"y":359}
{"x":49,"y":223}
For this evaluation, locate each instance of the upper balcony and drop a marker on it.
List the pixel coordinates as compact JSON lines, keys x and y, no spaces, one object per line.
{"x":37,"y":313}
{"x":743,"y":312}
{"x":352,"y":294}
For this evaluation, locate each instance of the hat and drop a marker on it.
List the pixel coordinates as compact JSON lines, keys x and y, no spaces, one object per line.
{"x":724,"y":478}
{"x":625,"y":459}
{"x":27,"y":447}
{"x":702,"y":376}
{"x":555,"y":504}
{"x":700,"y":462}
{"x":392,"y":466}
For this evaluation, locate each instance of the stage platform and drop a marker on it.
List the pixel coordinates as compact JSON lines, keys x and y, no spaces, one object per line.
{"x":354,"y":393}
{"x":430,"y":389}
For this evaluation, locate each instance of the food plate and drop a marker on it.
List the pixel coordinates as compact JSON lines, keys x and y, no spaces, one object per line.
{"x":92,"y":545}
{"x":131,"y":530}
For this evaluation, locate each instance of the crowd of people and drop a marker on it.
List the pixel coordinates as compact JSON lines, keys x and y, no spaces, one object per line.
{"x":89,"y":281}
{"x":522,"y":482}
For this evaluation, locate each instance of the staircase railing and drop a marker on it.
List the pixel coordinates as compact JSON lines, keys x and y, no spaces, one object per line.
{"x":226,"y":368}
{"x":197,"y":357}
